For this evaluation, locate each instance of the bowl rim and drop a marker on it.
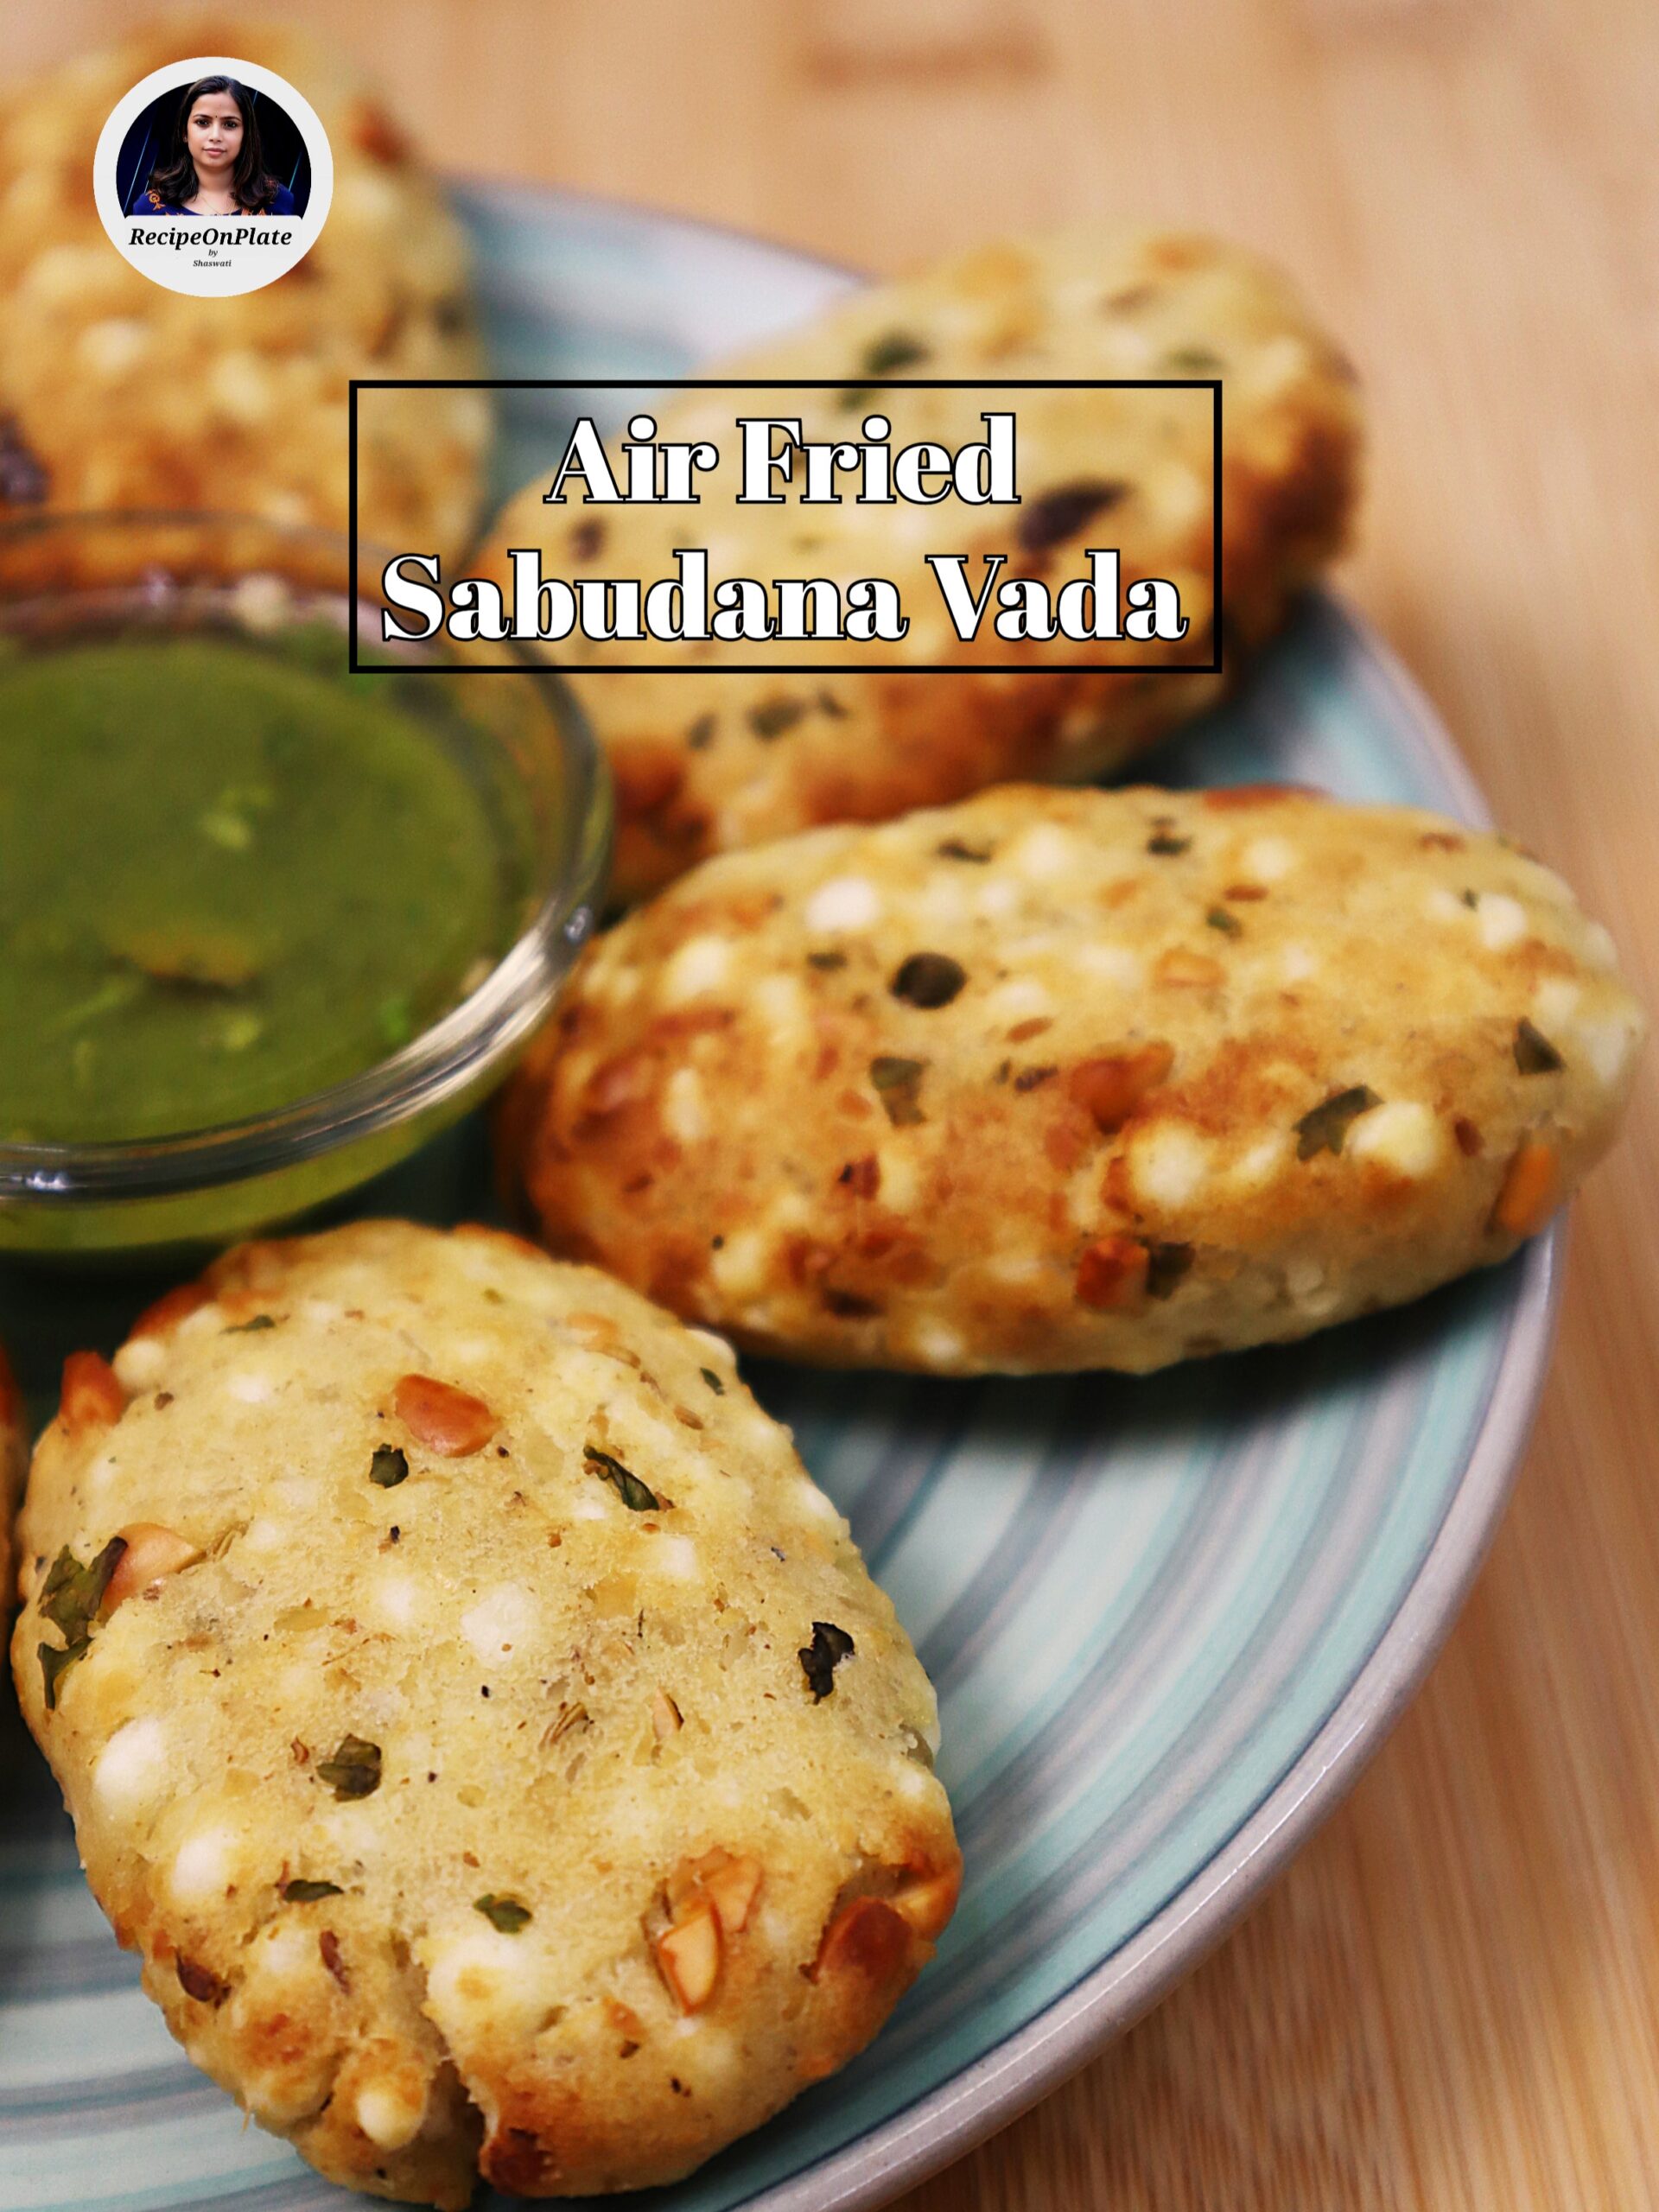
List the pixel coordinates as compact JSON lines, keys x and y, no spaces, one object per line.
{"x":477,"y":1036}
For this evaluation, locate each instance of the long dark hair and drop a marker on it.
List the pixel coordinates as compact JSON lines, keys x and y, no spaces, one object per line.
{"x":175,"y":181}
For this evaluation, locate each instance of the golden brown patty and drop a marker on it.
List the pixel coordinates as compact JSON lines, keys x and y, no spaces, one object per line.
{"x":710,"y":760}
{"x":1060,"y":1079}
{"x":115,"y":392}
{"x":489,"y":1735}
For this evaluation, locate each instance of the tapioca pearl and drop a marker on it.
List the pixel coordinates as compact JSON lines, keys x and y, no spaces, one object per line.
{"x":781,"y":1004}
{"x":1178,"y":496}
{"x":287,"y":1947}
{"x":1304,"y":1279}
{"x":113,"y":346}
{"x":297,"y":1494}
{"x":618,"y":985}
{"x":1036,"y":945}
{"x":138,"y":1364}
{"x":740,"y":1267}
{"x":502,"y":1623}
{"x":1556,"y":1001}
{"x":676,"y":1557}
{"x":481,"y":1982}
{"x":898,"y":1184}
{"x":395,"y":1602}
{"x":1598,"y":947}
{"x":1501,"y":920}
{"x":702,"y":963}
{"x":1111,"y":964}
{"x":101,"y":1474}
{"x":1044,"y":854}
{"x":715,"y":1350}
{"x":1259,"y":1163}
{"x":391,"y":2112}
{"x":1018,"y":1000}
{"x":845,"y":902}
{"x":262,"y":1537}
{"x":940,"y":899}
{"x":133,"y":1769}
{"x":1401,"y":1134}
{"x":682,"y":1106}
{"x":909,"y":1780}
{"x":250,"y":1389}
{"x":205,"y":1865}
{"x":587,"y":1508}
{"x":1274,"y":367}
{"x":816,"y":1505}
{"x":1169,"y":1163}
{"x":1015,"y":1270}
{"x":1297,"y":962}
{"x":1083,"y":1194}
{"x":937,"y":1342}
{"x":996,"y":899}
{"x":1441,"y":905}
{"x":1266,"y":860}
{"x":203,"y":1321}
{"x":1607,"y":1046}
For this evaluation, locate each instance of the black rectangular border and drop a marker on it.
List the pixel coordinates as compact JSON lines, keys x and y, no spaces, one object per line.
{"x":1212,"y":385}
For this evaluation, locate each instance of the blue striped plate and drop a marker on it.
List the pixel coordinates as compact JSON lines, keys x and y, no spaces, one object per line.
{"x":1169,"y":1618}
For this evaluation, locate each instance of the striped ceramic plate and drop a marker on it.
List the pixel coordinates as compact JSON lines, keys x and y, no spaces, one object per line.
{"x":1168,"y":1618}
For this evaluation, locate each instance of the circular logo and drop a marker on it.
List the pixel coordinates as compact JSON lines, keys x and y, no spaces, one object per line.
{"x":213,"y":176}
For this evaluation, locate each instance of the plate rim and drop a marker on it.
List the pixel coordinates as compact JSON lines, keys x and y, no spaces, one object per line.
{"x":946,"y":2123}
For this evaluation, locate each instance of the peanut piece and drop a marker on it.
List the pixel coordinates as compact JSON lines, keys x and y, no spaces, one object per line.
{"x":92,"y":1397}
{"x":1531,"y":1191}
{"x":451,"y":1422}
{"x":152,"y":1552}
{"x":688,"y":1956}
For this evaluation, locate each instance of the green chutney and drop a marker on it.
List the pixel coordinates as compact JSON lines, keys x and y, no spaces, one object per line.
{"x":229,"y":877}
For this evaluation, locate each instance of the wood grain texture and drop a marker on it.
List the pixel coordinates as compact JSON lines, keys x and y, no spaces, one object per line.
{"x":1449,"y":2000}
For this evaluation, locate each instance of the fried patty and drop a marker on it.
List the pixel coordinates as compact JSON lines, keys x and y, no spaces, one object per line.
{"x":1070,"y":1079}
{"x":706,"y":760}
{"x":116,"y":393}
{"x":484,"y":1728}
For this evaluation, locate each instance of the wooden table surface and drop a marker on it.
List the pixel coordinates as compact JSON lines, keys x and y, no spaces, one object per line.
{"x":1452,"y":1998}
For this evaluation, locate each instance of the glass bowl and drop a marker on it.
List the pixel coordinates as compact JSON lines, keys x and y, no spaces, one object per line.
{"x":529,"y":752}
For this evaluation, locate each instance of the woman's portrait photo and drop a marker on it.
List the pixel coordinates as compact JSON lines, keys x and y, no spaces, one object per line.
{"x":213,"y":148}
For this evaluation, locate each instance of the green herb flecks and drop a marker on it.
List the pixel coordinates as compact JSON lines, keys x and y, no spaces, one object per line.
{"x":249,"y":1328}
{"x":388,"y":1466}
{"x":1326,"y":1125}
{"x":637,"y":1496}
{"x":899,"y":1084}
{"x":506,"y":1914}
{"x":1167,"y":1265}
{"x":72,"y":1594}
{"x":1229,"y":924}
{"x":895,"y":349}
{"x":820,"y":1658}
{"x":713,"y":1381}
{"x":1066,"y":512}
{"x":1164,"y":844}
{"x":1534,"y":1054}
{"x":354,"y":1768}
{"x":928,"y":980}
{"x":300,"y":1892}
{"x":773,"y":716}
{"x":70,"y":1599}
